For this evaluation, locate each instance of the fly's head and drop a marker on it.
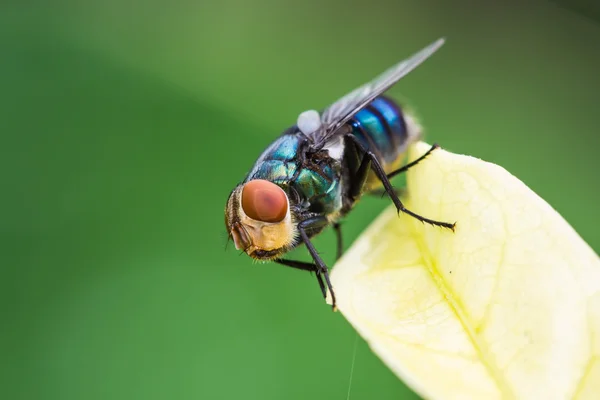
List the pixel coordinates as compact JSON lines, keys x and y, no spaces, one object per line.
{"x":259,"y":220}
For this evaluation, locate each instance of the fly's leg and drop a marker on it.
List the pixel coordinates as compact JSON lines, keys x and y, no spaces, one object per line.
{"x":340,"y":241}
{"x":399,"y":192}
{"x":318,"y":266}
{"x":316,"y":222}
{"x":382,"y":192}
{"x":412,"y":164}
{"x":304,"y":266}
{"x":303,"y":226}
{"x":369,"y":161}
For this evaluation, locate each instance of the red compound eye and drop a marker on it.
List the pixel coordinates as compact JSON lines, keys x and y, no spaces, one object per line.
{"x":264,"y":201}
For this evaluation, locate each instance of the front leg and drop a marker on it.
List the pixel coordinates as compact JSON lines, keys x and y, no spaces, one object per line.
{"x":314,"y":223}
{"x":311,"y":267}
{"x":319,"y":266}
{"x":304,"y":266}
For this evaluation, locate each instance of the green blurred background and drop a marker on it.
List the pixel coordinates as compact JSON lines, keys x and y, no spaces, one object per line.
{"x":125,"y":124}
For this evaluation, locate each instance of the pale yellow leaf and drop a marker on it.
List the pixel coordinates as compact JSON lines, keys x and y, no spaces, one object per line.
{"x":506,"y":307}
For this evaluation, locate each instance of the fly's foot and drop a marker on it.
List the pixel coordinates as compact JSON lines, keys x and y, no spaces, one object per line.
{"x":401,"y":209}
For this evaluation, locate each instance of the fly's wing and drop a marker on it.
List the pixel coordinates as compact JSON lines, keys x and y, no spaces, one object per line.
{"x":340,"y":112}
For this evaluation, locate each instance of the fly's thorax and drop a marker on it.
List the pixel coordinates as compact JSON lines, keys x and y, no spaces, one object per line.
{"x":259,"y":220}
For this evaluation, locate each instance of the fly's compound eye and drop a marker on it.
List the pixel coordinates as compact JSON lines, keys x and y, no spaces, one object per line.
{"x":264,"y":201}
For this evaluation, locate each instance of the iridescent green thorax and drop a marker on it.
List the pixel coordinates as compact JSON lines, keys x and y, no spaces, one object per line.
{"x":319,"y":188}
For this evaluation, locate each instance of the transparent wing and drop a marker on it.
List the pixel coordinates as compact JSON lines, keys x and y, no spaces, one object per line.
{"x":346,"y":107}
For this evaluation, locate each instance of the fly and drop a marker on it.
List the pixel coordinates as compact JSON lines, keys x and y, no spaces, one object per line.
{"x":314,"y":173}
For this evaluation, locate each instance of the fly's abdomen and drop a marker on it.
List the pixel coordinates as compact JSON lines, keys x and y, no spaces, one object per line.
{"x":383,"y":129}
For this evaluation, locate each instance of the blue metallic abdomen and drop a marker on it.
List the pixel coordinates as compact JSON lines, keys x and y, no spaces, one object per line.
{"x":382,"y":129}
